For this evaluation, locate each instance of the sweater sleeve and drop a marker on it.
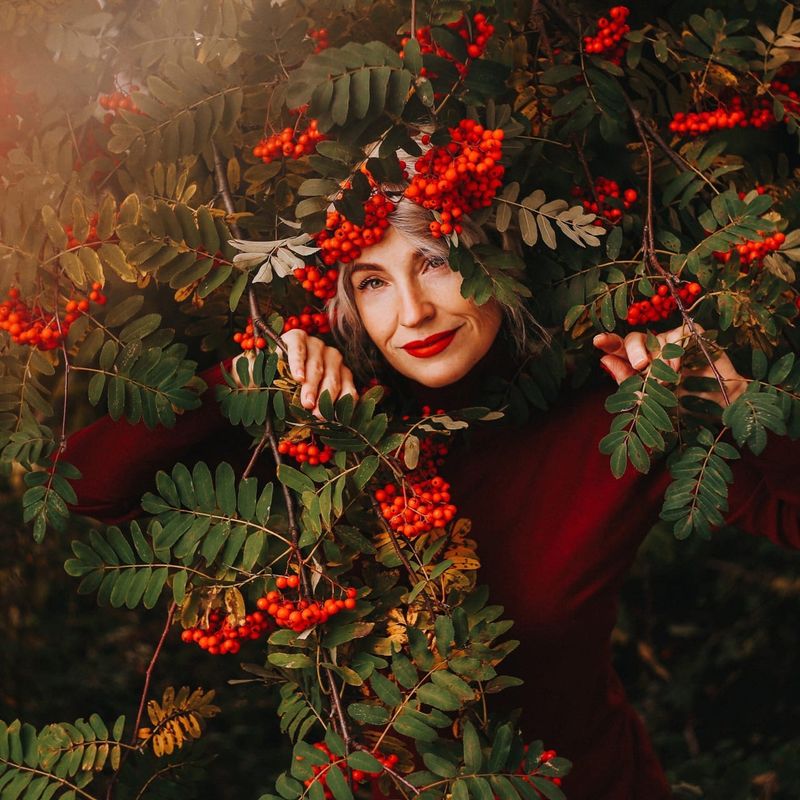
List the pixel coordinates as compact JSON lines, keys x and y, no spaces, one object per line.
{"x":118,"y":461}
{"x":764,"y":498}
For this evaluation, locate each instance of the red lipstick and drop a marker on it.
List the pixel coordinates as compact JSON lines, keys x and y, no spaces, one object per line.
{"x":433,"y":345}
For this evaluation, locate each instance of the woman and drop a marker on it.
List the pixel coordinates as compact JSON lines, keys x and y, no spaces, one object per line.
{"x":556,"y":531}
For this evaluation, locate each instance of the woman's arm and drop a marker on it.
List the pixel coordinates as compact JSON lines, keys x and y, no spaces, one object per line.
{"x":118,"y":461}
{"x":764,"y":498}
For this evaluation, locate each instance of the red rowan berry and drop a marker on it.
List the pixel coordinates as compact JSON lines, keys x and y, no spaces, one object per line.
{"x":289,"y":144}
{"x":609,"y":41}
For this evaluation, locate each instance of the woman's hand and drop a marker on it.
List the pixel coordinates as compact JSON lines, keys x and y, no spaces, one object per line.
{"x":317,"y":368}
{"x":629,"y":356}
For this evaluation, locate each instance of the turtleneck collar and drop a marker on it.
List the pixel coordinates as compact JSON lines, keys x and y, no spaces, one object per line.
{"x":470,"y":390}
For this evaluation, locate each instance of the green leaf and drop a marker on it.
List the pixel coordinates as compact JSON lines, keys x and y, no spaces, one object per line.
{"x":404,"y":671}
{"x":637,"y":454}
{"x":619,"y":460}
{"x":438,"y":697}
{"x":386,"y":691}
{"x":406,"y":725}
{"x":473,"y":755}
{"x":337,"y":784}
{"x":439,"y":766}
{"x":501,"y":747}
{"x":295,"y":479}
{"x":366,"y":469}
{"x":614,"y":242}
{"x":290,"y":660}
{"x":570,"y":101}
{"x":444,"y":635}
{"x":781,"y":369}
{"x":155,"y":586}
{"x":368,"y":713}
{"x":412,"y":56}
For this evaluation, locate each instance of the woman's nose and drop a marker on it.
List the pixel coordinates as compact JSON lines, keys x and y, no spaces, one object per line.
{"x":415,"y":306}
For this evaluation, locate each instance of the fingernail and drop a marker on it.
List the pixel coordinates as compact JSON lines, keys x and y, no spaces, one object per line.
{"x":641,"y":364}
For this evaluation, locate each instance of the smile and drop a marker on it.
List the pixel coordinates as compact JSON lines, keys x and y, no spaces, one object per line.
{"x":433,"y":345}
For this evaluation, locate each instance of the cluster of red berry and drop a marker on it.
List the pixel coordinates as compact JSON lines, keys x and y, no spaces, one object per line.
{"x":301,"y":614}
{"x":661,"y":304}
{"x":737,"y":113}
{"x":427,"y":507}
{"x":303,"y":452}
{"x":357,"y":776}
{"x":608,"y":41}
{"x":289,"y":143}
{"x":458,"y":177}
{"x":475,"y":39}
{"x":320,"y":38}
{"x":248,"y":339}
{"x":792,"y":102}
{"x":118,"y":100}
{"x":753,"y":251}
{"x":314,"y":323}
{"x":36,"y":328}
{"x":221,"y":637}
{"x":91,"y":239}
{"x":343,"y":240}
{"x":319,"y":282}
{"x":611,"y":200}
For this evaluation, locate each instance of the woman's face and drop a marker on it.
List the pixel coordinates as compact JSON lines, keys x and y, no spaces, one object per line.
{"x":411,"y":307}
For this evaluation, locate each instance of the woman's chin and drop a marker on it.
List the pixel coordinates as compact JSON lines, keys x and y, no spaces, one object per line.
{"x":433,"y":375}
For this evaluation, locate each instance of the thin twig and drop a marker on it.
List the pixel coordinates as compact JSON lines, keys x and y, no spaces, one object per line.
{"x":648,"y":245}
{"x":586,"y":171}
{"x":676,"y":158}
{"x":647,"y":234}
{"x":294,"y":534}
{"x":395,"y":775}
{"x":413,"y":19}
{"x":224,"y":188}
{"x":143,"y":699}
{"x":256,"y":453}
{"x":294,"y":531}
{"x":337,"y":705}
{"x":151,"y":666}
{"x":258,"y":321}
{"x":400,"y":554}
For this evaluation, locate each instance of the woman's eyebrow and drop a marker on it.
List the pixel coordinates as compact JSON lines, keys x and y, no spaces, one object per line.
{"x":365,"y":266}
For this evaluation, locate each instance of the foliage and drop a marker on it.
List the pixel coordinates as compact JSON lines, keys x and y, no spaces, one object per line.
{"x":153,"y":200}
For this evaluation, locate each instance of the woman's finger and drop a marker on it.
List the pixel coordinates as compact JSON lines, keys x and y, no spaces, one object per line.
{"x":617,"y":367}
{"x":332,"y":378}
{"x":609,"y":343}
{"x":297,"y":349}
{"x":348,"y":384}
{"x":314,"y":372}
{"x":636,"y":351}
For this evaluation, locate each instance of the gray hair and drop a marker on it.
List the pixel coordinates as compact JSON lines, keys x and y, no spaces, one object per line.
{"x":413,"y":221}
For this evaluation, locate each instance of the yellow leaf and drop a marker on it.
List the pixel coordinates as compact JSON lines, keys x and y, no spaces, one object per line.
{"x":186,"y":291}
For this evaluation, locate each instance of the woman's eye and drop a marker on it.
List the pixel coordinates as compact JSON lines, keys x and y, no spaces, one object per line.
{"x":435,"y":261}
{"x":370,"y":283}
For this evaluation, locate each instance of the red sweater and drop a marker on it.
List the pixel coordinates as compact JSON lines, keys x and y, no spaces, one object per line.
{"x":556,"y":535}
